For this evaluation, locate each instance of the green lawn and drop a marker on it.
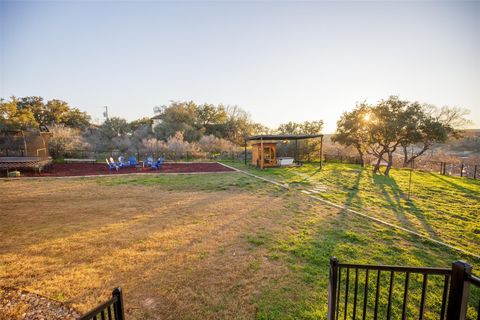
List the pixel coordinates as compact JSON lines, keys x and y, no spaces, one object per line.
{"x":315,"y":232}
{"x":441,"y":207}
{"x":219,"y":246}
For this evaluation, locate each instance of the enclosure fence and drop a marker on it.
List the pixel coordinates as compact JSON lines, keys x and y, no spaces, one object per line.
{"x":467,"y":170}
{"x":100,"y":155}
{"x":385,"y":292}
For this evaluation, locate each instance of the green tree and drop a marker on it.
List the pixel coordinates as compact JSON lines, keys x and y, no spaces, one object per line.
{"x":115,"y":127}
{"x":142,"y":122}
{"x":312,"y":127}
{"x":54,"y":112}
{"x":14,"y":118}
{"x":306,"y":127}
{"x":433,"y":125}
{"x":208,"y":114}
{"x":391,"y":124}
{"x":74,"y":118}
{"x":194,"y":121}
{"x":178,"y":117}
{"x":35,"y":105}
{"x":352,"y":130}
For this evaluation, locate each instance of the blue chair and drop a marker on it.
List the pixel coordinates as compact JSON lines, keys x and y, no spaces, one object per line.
{"x":122,"y":163}
{"x":149,"y":162}
{"x":158,"y":164}
{"x":111,"y":165}
{"x":133,"y":161}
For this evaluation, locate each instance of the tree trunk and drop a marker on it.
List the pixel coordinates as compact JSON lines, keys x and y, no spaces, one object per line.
{"x":389,"y":164}
{"x":360,"y":154}
{"x":377,"y":165}
{"x":405,"y":156}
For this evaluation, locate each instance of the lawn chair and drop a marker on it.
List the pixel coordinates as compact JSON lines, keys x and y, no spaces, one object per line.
{"x":158,"y":164}
{"x":113,"y":161}
{"x":133,"y":161}
{"x":149,"y":162}
{"x":111,"y":165}
{"x":122,"y":163}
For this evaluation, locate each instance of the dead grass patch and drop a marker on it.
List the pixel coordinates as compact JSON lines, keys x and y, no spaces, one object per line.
{"x":177,"y":254}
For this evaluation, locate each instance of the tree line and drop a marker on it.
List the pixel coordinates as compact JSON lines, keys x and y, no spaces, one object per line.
{"x":381,"y":130}
{"x":176,"y":128}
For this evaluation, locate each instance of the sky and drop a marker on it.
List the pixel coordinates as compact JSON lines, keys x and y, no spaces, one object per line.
{"x":280,"y":61}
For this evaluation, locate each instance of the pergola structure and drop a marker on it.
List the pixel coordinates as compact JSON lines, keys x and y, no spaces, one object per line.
{"x":264,"y":150}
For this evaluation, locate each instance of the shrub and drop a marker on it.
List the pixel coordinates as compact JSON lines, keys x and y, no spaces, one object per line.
{"x":64,"y":140}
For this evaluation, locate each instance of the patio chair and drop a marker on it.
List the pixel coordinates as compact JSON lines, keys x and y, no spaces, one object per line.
{"x":158,"y":164}
{"x":149,"y":162}
{"x":111,"y":165}
{"x":133,"y":161}
{"x":122,"y":163}
{"x":113,"y":161}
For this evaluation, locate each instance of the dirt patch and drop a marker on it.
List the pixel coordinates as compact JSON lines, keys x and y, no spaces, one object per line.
{"x":85,"y":169}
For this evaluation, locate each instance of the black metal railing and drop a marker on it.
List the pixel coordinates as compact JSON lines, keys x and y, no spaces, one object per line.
{"x":386,"y":292}
{"x":111,"y":309}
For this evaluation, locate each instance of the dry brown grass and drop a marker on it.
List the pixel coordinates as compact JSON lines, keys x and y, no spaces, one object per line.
{"x":176,"y":254}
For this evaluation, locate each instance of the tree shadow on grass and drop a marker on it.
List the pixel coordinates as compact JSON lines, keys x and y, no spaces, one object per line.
{"x":393,"y":194}
{"x":306,"y":178}
{"x":354,"y":189}
{"x":460,"y":188}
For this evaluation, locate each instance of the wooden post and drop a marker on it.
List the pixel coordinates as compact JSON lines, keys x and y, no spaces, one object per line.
{"x":245,"y":151}
{"x":475,"y":172}
{"x":295,"y":154}
{"x":261,"y":153}
{"x":461,"y":170}
{"x":458,"y":295}
{"x":332,"y":288}
{"x":321,"y":152}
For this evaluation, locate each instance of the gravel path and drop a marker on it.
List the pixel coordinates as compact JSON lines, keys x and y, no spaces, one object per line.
{"x":19,"y":304}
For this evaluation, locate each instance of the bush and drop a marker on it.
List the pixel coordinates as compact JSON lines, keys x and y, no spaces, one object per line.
{"x":65,"y":139}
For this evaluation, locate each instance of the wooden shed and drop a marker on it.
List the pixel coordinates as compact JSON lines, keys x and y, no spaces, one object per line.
{"x":269,"y":154}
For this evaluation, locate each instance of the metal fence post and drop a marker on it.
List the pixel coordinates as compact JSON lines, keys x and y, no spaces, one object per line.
{"x":461,"y":170}
{"x":332,"y":288}
{"x":458,"y":295}
{"x":118,"y":307}
{"x":475,"y":173}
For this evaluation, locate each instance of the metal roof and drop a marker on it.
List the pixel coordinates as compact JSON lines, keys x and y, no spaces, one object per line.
{"x":284,"y":136}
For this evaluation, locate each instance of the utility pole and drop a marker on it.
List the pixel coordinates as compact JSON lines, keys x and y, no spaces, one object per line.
{"x":105,"y":113}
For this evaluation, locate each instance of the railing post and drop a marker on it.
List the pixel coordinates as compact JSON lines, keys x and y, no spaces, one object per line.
{"x":458,"y":295}
{"x":118,"y":306}
{"x":332,"y":288}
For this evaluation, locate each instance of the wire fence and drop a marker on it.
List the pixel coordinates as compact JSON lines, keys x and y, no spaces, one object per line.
{"x":101,"y":155}
{"x":467,"y":170}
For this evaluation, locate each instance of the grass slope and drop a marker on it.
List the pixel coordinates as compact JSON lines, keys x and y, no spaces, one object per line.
{"x":444,"y":208}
